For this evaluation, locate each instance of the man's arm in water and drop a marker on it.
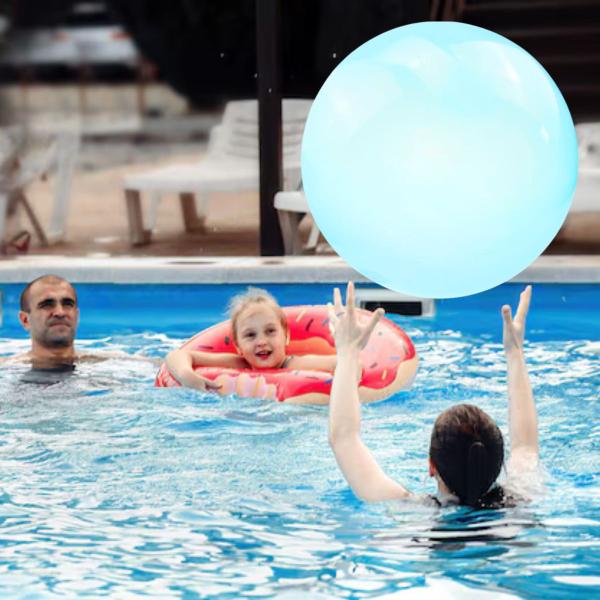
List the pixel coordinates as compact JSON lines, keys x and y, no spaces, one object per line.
{"x":27,"y":358}
{"x":115,"y":354}
{"x":16,"y":359}
{"x":522,"y":414}
{"x":360,"y":468}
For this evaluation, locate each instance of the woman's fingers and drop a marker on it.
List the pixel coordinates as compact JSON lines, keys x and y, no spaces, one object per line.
{"x":507,"y":315}
{"x":350,"y":298}
{"x":332,"y":318}
{"x":375,"y":317}
{"x":337,"y":300}
{"x":524,"y":301}
{"x":347,"y":322}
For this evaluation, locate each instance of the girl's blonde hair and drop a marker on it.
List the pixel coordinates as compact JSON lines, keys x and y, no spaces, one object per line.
{"x":253,"y":295}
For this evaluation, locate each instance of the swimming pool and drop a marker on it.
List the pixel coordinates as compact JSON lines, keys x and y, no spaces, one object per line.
{"x":112,"y":487}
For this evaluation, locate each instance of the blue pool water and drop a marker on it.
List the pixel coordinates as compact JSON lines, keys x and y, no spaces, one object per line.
{"x":110,"y":487}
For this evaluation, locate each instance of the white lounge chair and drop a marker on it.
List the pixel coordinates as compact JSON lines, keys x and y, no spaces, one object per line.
{"x":19,"y":168}
{"x":230,"y":164}
{"x":292,"y":207}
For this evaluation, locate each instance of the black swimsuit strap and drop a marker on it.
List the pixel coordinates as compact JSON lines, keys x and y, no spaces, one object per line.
{"x":286,"y":362}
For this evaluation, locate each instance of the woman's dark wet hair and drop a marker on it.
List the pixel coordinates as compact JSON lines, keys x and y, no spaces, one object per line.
{"x":467,"y":450}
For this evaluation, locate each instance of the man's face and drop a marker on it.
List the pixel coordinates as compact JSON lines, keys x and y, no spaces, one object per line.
{"x":53,"y":316}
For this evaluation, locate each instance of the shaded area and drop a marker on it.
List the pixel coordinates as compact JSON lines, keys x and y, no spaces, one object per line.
{"x":208,"y":49}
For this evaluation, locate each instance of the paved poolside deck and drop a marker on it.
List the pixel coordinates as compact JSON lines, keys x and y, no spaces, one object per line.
{"x":97,"y":223}
{"x":118,"y":143}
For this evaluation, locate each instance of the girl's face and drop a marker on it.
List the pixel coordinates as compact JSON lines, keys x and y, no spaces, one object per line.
{"x":260,"y":337}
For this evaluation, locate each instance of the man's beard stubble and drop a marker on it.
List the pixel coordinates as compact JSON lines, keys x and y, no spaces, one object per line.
{"x":51,"y":341}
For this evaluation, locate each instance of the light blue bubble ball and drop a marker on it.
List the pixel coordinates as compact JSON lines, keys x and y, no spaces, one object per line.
{"x":439,"y":159}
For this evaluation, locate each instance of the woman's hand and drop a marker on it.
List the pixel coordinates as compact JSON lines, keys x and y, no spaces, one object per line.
{"x":347,"y":332}
{"x":514,"y":329}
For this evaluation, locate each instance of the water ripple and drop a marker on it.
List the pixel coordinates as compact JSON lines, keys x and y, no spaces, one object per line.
{"x":111,"y":487}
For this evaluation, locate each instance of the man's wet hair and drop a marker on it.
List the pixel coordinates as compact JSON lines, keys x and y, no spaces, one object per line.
{"x":24,"y":302}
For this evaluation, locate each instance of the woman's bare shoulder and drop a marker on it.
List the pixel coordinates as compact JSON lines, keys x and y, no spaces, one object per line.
{"x":525,"y":480}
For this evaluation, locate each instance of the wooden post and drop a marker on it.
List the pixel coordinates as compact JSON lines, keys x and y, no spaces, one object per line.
{"x":268,"y":58}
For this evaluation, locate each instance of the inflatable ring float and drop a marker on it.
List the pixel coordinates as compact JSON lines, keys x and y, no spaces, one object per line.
{"x":389,"y":361}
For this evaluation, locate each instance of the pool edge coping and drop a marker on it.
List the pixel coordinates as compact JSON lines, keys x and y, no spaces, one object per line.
{"x":225,"y":270}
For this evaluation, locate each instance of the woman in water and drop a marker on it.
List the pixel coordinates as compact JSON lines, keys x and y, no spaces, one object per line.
{"x":466,"y":451}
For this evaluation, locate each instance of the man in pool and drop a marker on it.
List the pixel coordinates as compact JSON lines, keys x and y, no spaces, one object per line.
{"x":49,"y":312}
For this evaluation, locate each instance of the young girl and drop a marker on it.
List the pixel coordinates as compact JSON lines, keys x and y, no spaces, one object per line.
{"x":466,"y":450}
{"x":260,"y":336}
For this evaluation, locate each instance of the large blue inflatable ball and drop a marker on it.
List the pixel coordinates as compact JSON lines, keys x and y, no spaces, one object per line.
{"x":439,"y":159}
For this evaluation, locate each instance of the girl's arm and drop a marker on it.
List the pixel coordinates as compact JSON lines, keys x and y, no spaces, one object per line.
{"x":181,"y":364}
{"x":314,"y":362}
{"x":362,"y":472}
{"x":523,"y":430}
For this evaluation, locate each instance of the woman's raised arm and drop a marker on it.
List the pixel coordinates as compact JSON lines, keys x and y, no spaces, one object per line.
{"x":522,"y":414}
{"x":362,"y":472}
